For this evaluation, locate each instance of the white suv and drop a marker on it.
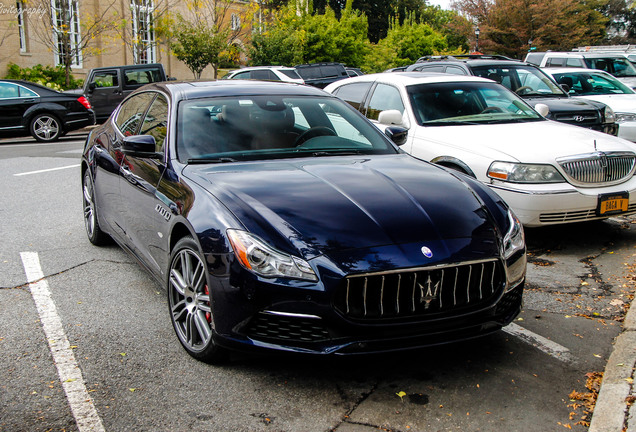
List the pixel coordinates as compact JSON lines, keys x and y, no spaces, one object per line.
{"x":548,"y":172}
{"x":269,"y":73}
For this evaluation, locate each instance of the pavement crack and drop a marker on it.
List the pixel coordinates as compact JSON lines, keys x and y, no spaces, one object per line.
{"x":345,"y":418}
{"x":595,"y":274}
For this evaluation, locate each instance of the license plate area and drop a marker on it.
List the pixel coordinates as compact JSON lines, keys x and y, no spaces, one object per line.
{"x":612,"y":203}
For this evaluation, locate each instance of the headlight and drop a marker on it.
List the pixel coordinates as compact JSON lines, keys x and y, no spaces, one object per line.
{"x":610,"y":117}
{"x":524,"y":173}
{"x":625,"y":117}
{"x":514,"y":245}
{"x":256,"y":255}
{"x":514,"y":240}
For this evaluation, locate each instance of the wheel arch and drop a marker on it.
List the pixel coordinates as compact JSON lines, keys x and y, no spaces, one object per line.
{"x":453,"y":163}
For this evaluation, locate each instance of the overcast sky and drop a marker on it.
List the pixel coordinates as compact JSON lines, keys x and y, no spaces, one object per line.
{"x":445,"y":4}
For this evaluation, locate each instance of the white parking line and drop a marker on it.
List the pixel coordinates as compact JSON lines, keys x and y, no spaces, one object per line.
{"x":546,"y":345}
{"x":68,"y":370}
{"x":46,"y":170}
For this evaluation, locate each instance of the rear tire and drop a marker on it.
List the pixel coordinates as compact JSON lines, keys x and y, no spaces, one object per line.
{"x":190,"y":303}
{"x":46,"y":128}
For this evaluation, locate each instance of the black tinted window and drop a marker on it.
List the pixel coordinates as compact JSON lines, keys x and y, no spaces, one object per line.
{"x":353,"y":94}
{"x":131,"y":113}
{"x":156,"y":121}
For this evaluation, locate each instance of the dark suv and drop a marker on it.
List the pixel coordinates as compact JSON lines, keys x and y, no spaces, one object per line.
{"x":321,"y":74}
{"x":529,"y":82}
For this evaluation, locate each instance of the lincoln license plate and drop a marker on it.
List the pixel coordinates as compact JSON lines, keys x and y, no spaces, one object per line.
{"x":612,"y":203}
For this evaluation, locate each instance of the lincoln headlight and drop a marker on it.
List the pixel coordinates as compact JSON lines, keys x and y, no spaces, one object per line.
{"x":257,"y":256}
{"x":524,"y":173}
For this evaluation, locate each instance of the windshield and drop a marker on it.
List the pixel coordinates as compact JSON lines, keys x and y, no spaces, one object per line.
{"x":620,"y":66}
{"x":592,"y":83}
{"x":267,"y":127}
{"x":461,"y":103}
{"x":523,"y":80}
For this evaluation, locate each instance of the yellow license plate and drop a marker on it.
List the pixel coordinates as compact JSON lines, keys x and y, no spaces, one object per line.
{"x":613,"y":203}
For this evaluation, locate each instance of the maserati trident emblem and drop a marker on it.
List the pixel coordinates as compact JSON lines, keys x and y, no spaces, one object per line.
{"x":427,"y":252}
{"x":430,"y":294}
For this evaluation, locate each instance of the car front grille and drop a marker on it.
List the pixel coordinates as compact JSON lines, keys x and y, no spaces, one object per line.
{"x":585,"y":118}
{"x":599,"y":168}
{"x":425,"y":292}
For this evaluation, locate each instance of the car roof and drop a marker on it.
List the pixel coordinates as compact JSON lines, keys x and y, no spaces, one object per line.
{"x":220,"y":88}
{"x":554,"y":70}
{"x":411,"y":78}
{"x":261,"y":67}
{"x":30,"y":85}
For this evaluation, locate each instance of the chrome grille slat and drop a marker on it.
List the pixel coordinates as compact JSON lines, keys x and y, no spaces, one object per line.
{"x":599,"y":168}
{"x":420,"y":292}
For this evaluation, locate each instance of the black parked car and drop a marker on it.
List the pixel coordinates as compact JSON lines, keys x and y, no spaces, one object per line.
{"x":45,"y":114}
{"x":276,"y":216}
{"x":321,"y":74}
{"x":529,"y":82}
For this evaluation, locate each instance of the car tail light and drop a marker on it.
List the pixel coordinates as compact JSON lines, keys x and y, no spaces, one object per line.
{"x":84,"y":102}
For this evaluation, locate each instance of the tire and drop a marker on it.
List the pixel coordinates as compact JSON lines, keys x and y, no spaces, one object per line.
{"x":91,"y":223}
{"x":46,"y":128}
{"x":190,"y":303}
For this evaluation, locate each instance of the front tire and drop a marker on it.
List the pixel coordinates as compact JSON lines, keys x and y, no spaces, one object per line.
{"x":93,"y":231}
{"x":46,"y":128}
{"x":190,"y":303}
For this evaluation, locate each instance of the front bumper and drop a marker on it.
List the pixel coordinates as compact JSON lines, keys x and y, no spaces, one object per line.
{"x":544,"y":204}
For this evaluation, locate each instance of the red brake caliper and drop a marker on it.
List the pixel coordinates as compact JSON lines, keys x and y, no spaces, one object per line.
{"x":208,"y":315}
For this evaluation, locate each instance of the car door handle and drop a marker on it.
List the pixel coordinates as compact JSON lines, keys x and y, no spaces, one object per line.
{"x":28,"y":101}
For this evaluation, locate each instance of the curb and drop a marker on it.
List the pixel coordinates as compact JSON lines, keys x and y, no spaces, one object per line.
{"x":612,"y":411}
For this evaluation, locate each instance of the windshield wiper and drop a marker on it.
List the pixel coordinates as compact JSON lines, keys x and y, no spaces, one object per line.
{"x":211,"y":160}
{"x":337,"y":153}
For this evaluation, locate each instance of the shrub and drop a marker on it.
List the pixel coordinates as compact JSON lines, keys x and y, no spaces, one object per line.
{"x":52,"y":77}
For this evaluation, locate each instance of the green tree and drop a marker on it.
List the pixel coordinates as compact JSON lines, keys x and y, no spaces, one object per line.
{"x":292,"y":38}
{"x":197,"y":45}
{"x":404,"y":44}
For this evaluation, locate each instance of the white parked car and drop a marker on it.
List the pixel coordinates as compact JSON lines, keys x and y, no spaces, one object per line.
{"x":548,"y":172}
{"x":269,"y":73}
{"x":602,"y":87}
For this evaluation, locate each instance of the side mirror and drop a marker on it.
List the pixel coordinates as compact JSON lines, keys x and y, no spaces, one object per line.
{"x":542,"y":109}
{"x":390,"y":117}
{"x":91,"y":86}
{"x":565,"y":87}
{"x":397,"y":134}
{"x":140,"y":146}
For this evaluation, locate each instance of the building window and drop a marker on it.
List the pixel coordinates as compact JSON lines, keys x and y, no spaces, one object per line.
{"x":66,"y":30}
{"x":21,"y":26}
{"x":236,"y":22}
{"x":143,"y":32}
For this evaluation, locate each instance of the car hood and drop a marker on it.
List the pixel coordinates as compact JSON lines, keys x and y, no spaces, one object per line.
{"x":534,"y":142}
{"x":620,"y":103}
{"x":331,"y":204}
{"x":559,"y":105}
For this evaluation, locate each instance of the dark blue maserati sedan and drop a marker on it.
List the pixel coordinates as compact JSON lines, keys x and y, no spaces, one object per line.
{"x":276,"y":216}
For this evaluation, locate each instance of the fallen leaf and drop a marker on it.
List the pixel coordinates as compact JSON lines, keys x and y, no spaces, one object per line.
{"x":401,"y":395}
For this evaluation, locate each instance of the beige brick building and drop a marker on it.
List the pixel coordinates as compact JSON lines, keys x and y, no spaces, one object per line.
{"x":112,"y":32}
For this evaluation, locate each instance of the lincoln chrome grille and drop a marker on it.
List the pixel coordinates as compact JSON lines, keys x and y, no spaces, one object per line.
{"x":599,"y":168}
{"x":420,"y":292}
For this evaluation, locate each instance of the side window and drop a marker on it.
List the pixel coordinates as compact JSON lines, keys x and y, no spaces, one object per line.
{"x":353,"y":94}
{"x":555,"y":62}
{"x":455,"y":70}
{"x":140,"y":76}
{"x":105,"y":79}
{"x":263,"y":74}
{"x":437,"y":68}
{"x":242,"y":75}
{"x":26,"y":93}
{"x":131,"y":113}
{"x":573,"y":62}
{"x":156,"y":121}
{"x":8,"y":91}
{"x":385,"y":97}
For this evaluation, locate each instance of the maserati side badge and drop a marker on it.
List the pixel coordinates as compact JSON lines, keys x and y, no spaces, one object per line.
{"x":427,"y":252}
